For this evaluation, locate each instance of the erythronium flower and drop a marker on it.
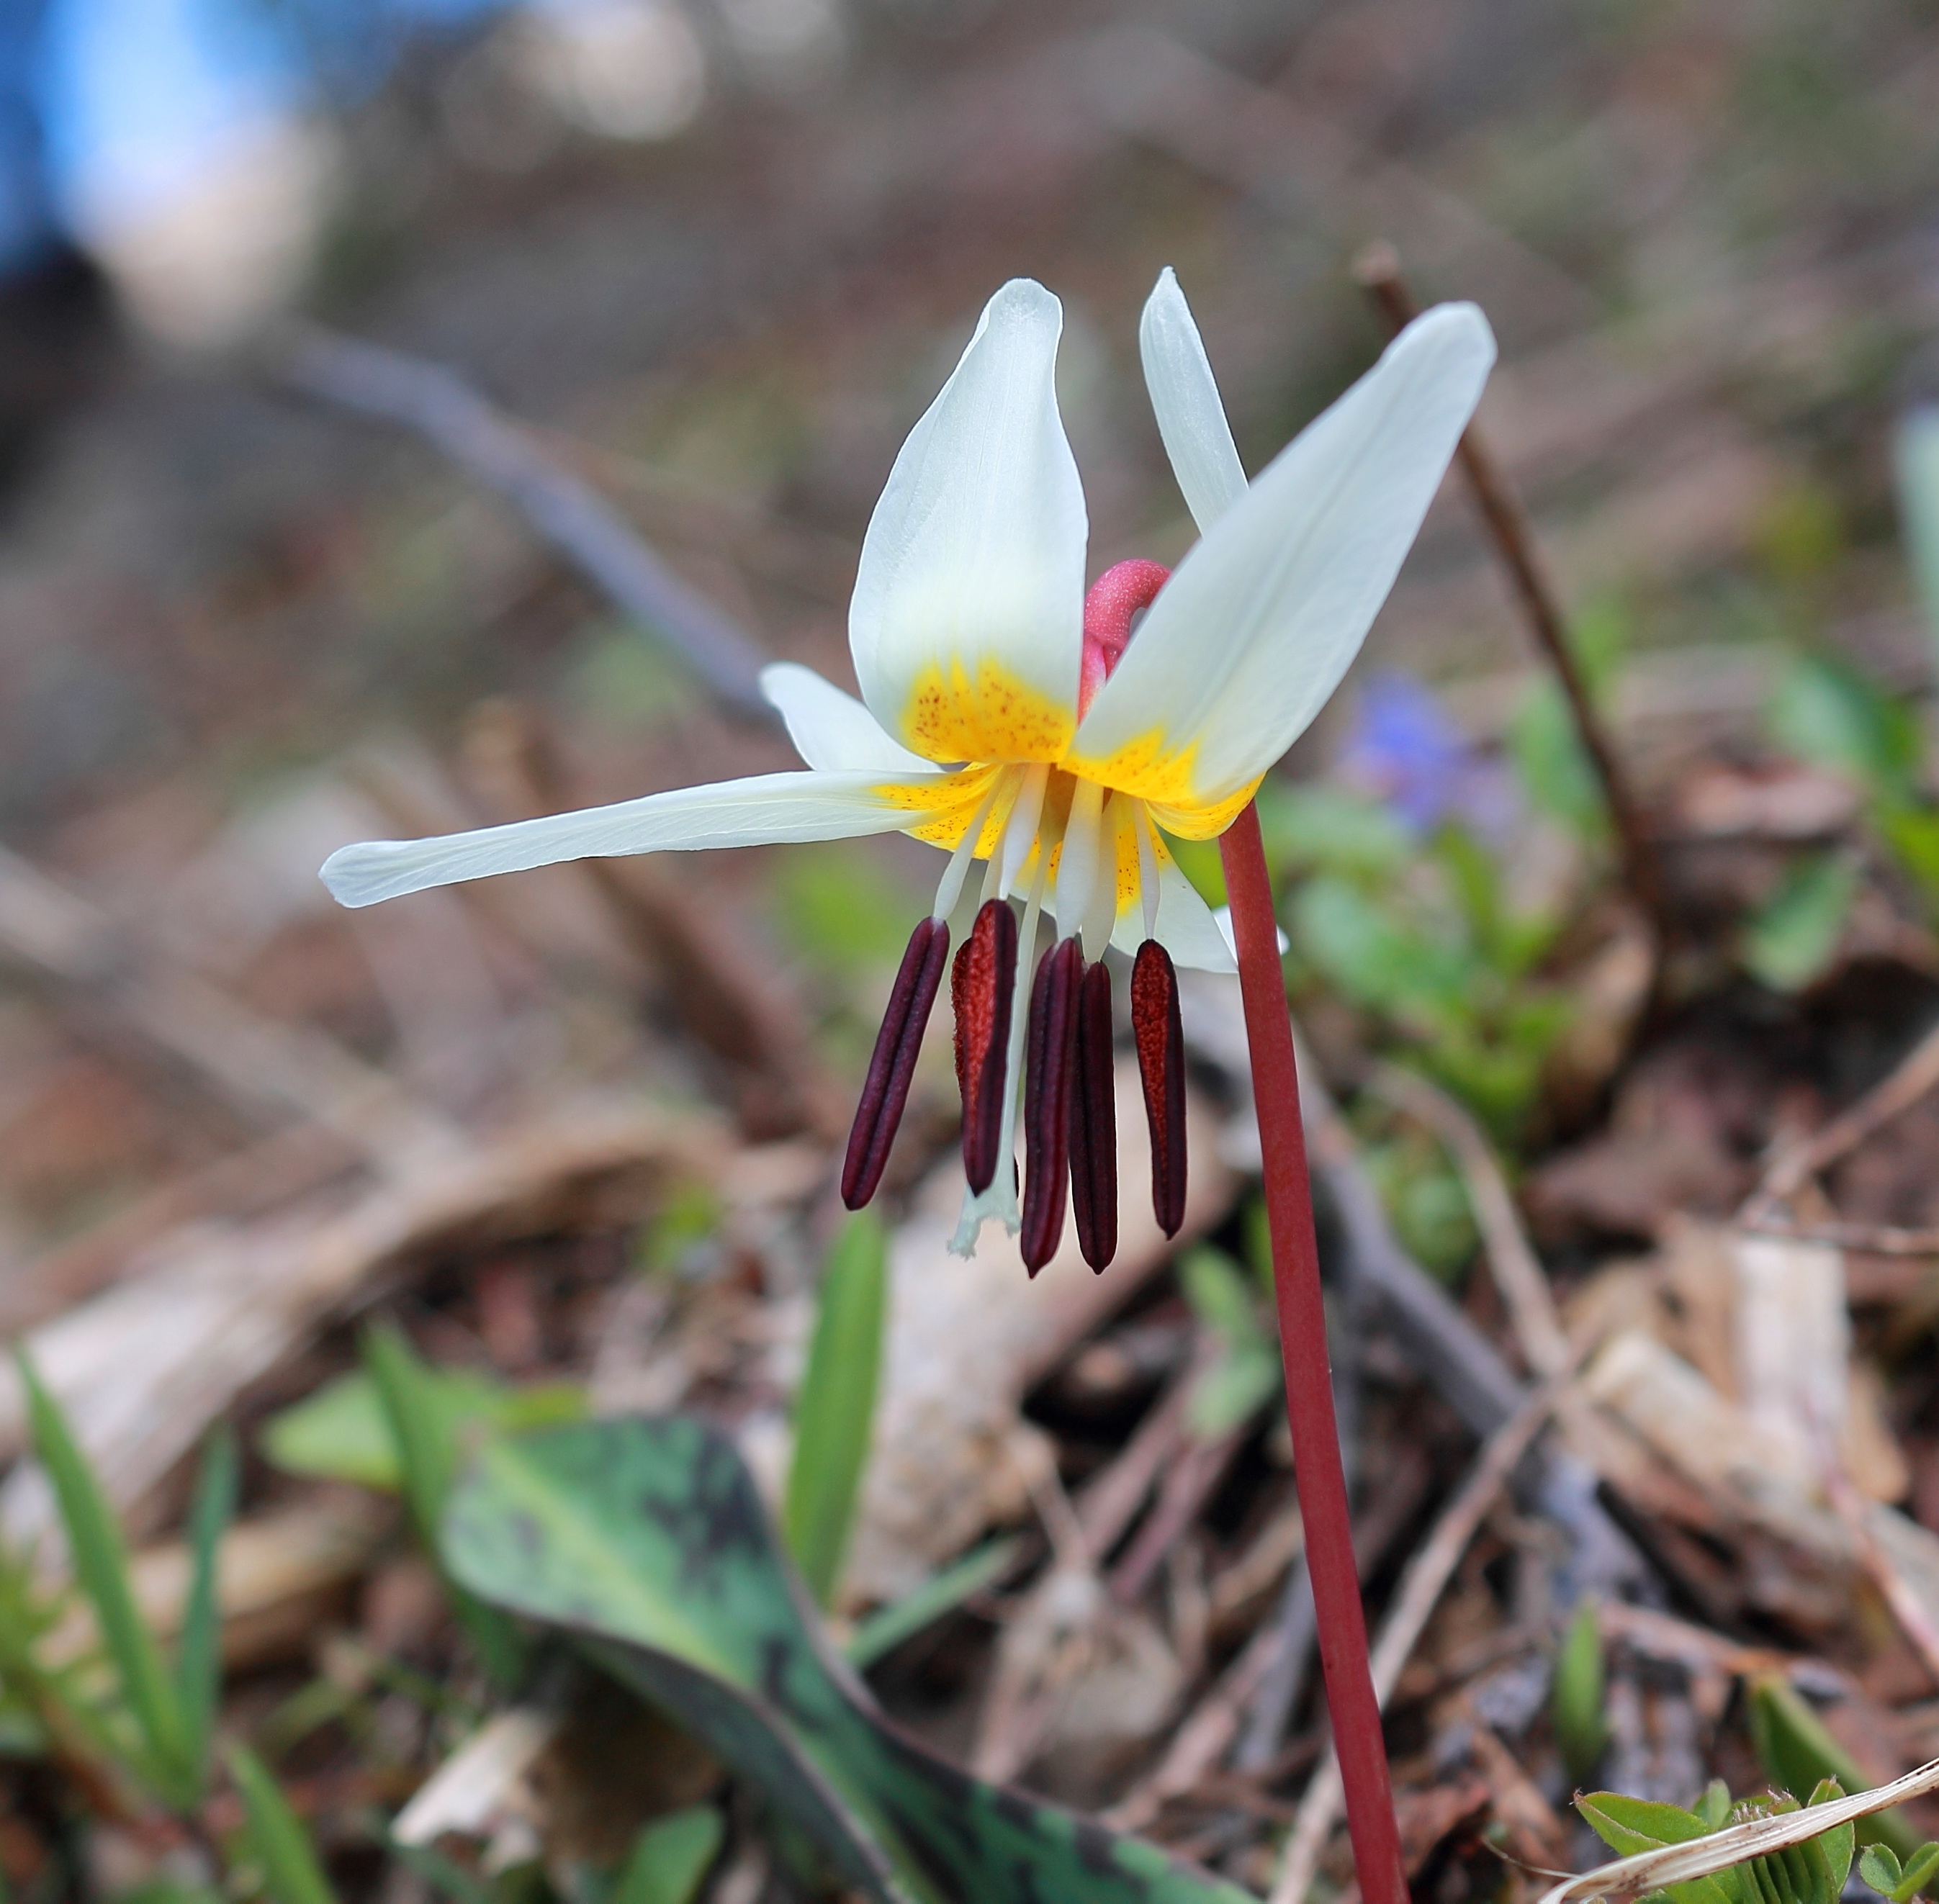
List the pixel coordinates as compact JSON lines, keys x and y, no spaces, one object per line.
{"x":1009,"y":717}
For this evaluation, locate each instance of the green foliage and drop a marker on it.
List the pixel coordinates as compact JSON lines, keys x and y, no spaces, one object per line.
{"x":1880,"y":1867}
{"x":162,"y":1758}
{"x":1791,"y":939}
{"x":1430,"y":946}
{"x":942,"y":1593}
{"x":1246,"y":1374}
{"x":1549,"y":758}
{"x":290,"y":1873}
{"x":670,"y":1858}
{"x":434,"y":1418}
{"x":1426,"y":1200}
{"x":342,"y":1431}
{"x":199,"y":1662}
{"x":1813,"y":1872}
{"x":1798,"y":1753}
{"x":835,"y":1407}
{"x":645,"y":1542}
{"x":1915,"y":445}
{"x":839,"y":908}
{"x":1575,"y":1699}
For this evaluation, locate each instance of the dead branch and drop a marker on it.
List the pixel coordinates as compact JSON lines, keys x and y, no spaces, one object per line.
{"x":439,"y":406}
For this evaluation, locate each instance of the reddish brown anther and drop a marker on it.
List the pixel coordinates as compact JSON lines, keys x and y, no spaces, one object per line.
{"x":983,"y":983}
{"x":1094,"y":1124}
{"x":886,"y":1089}
{"x":1161,"y":1042}
{"x":1050,"y":1059}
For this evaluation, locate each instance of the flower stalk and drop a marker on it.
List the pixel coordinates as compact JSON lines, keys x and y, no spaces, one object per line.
{"x":1340,"y":1620}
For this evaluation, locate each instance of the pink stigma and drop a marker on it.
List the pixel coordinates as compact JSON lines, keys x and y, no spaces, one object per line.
{"x":1115,"y":598}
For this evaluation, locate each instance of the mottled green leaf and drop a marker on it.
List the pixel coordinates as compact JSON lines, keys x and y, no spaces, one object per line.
{"x":835,"y":1407}
{"x":646,"y":1540}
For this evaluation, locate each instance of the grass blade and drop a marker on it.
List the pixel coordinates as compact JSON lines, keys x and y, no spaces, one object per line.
{"x":835,"y":1411}
{"x":428,"y":1416}
{"x":290,"y":1873}
{"x":199,"y":1664}
{"x":670,"y":1857}
{"x":942,"y":1593}
{"x":100,"y":1557}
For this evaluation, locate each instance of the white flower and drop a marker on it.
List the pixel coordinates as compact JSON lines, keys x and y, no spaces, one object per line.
{"x":1006,"y":719}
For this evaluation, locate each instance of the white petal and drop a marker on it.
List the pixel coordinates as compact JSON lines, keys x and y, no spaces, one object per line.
{"x":1254,"y":631}
{"x":831,"y":730}
{"x":1187,"y":927}
{"x":767,"y":809}
{"x":976,"y":551}
{"x":1184,"y":395}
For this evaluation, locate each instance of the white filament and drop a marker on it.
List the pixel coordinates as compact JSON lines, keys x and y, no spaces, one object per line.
{"x":1147,"y":866}
{"x":954,"y":874}
{"x":1020,"y":831}
{"x":1077,"y":865}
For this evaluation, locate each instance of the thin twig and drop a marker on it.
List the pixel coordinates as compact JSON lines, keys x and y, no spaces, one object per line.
{"x":1915,"y":1075}
{"x":1378,"y":270}
{"x":439,"y":406}
{"x":1862,"y":1238}
{"x":1518,"y":1271}
{"x":1421,"y":1587}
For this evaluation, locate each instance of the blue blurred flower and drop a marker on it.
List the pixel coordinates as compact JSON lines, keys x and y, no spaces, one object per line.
{"x":1405,"y":748}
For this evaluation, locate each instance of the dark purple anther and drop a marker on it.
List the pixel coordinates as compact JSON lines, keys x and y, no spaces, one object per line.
{"x":983,"y":983}
{"x":1094,"y":1124}
{"x":1161,"y":1042}
{"x":886,"y":1090}
{"x":1050,"y":1061}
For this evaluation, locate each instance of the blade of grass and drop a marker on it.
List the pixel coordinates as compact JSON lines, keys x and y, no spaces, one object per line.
{"x":942,"y":1593}
{"x":427,"y":1416}
{"x":199,"y":1664}
{"x":100,"y":1557}
{"x":292,"y":1874}
{"x":670,"y":1857}
{"x":834,"y":1410}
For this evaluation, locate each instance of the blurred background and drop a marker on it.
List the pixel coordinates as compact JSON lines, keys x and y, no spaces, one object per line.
{"x":261,"y":593}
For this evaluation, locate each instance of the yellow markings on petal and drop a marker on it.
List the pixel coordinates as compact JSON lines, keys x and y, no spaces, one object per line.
{"x":992,"y":715}
{"x":1164,"y":779}
{"x":949,"y":807}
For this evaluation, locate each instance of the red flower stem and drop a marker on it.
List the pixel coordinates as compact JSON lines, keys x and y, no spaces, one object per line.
{"x":1340,"y":1620}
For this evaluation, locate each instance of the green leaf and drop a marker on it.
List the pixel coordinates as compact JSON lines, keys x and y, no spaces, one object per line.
{"x":342,"y":1432}
{"x":1375,"y":959}
{"x":1919,"y":1872}
{"x":670,"y":1858}
{"x":835,"y":1408}
{"x":1797,"y":1751}
{"x":1629,"y":1825}
{"x":645,"y":1540}
{"x":1838,"y":1844}
{"x":1714,"y":1807}
{"x":199,"y":1662}
{"x":1792,"y":937}
{"x":942,"y":1593}
{"x":1826,"y":712}
{"x":1318,"y":827}
{"x":1549,"y":760}
{"x":1199,"y":861}
{"x":292,"y":1874}
{"x":1878,"y":1867}
{"x":430,"y":1418}
{"x":100,"y":1558}
{"x":1575,"y":1703}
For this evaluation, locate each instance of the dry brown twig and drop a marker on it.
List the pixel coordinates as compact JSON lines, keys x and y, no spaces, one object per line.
{"x":1378,"y":269}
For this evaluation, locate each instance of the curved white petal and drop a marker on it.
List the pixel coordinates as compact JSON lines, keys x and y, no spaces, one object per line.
{"x":1187,"y":927}
{"x":767,"y":809}
{"x":1185,"y":397}
{"x":832,"y":730}
{"x":1254,"y":631}
{"x":974,"y":559}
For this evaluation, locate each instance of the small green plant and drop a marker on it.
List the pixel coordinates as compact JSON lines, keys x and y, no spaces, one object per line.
{"x":1812,"y":1872}
{"x":835,"y":1407}
{"x":1880,"y":1867}
{"x":154,"y":1730}
{"x":1575,"y":1700}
